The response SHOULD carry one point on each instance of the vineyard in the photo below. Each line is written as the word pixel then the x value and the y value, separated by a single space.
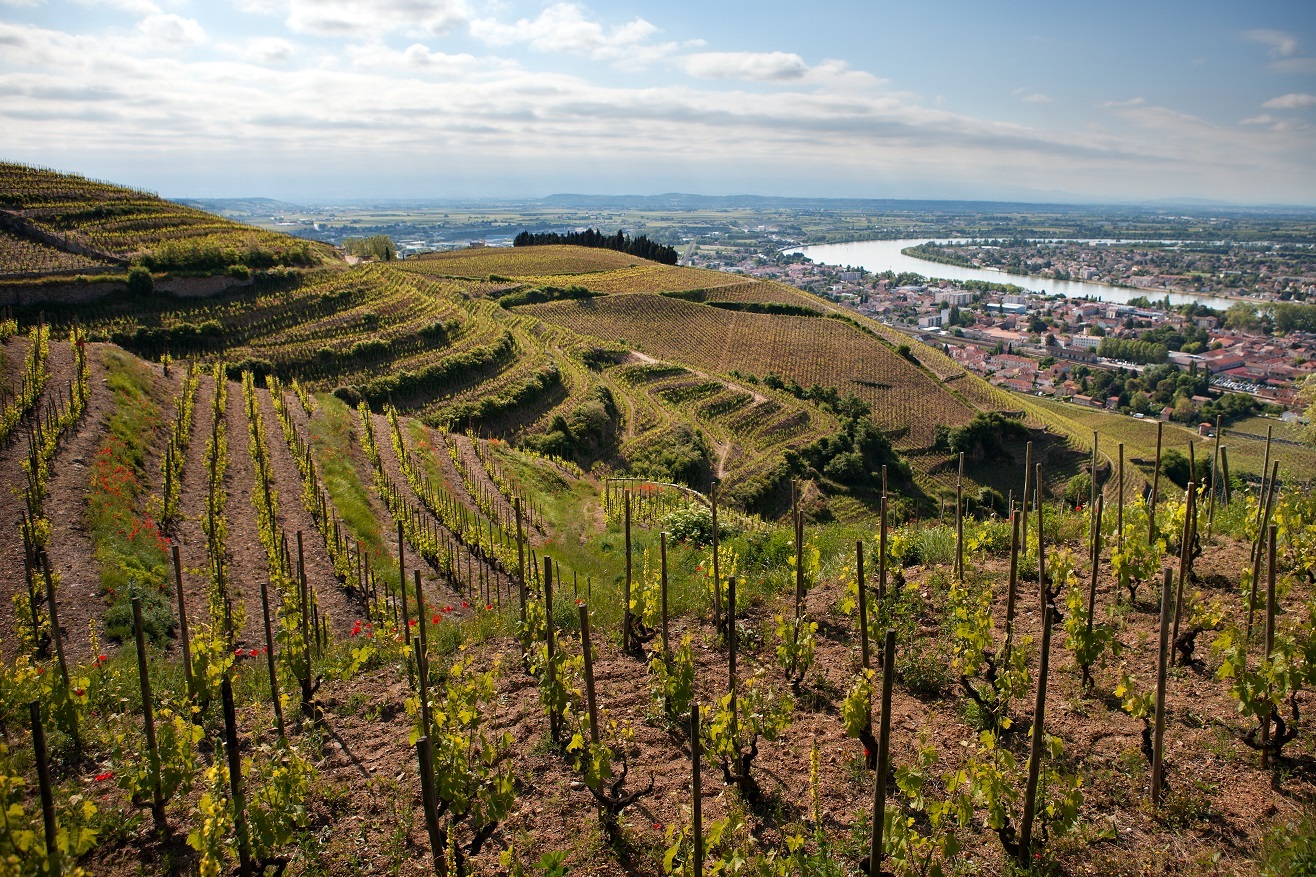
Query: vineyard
pixel 73 224
pixel 254 628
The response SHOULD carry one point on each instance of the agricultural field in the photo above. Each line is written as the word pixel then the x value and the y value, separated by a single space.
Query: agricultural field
pixel 355 692
pixel 24 257
pixel 374 571
pixel 121 223
pixel 480 263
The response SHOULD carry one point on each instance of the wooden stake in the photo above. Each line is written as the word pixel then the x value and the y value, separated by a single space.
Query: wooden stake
pixel 863 602
pixel 47 795
pixel 662 549
pixel 1014 582
pixel 1269 640
pixel 717 575
pixel 1262 494
pixel 1158 727
pixel 148 718
pixel 1039 732
pixel 959 522
pixel 883 756
pixel 555 730
pixel 626 597
pixel 1156 484
pixel 1185 556
pixel 1092 587
pixel 183 638
pixel 1215 479
pixel 235 777
pixel 1256 560
pixel 424 754
pixel 269 657
pixel 1119 511
pixel 881 556
pixel 1224 475
pixel 1023 503
pixel 696 794
pixel 589 674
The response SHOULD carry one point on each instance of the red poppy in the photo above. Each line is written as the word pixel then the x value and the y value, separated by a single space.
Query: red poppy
pixel 435 619
pixel 447 608
pixel 488 607
pixel 465 605
pixel 102 777
pixel 78 692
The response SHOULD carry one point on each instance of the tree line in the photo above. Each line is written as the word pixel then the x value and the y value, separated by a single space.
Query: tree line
pixel 640 246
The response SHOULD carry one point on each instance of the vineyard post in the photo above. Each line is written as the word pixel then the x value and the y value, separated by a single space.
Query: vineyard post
pixel 1261 495
pixel 1023 503
pixel 626 596
pixel 1224 476
pixel 863 602
pixel 1156 484
pixel 1041 556
pixel 1014 583
pixel 589 674
pixel 881 557
pixel 1092 491
pixel 1158 727
pixel 717 578
pixel 662 584
pixel 959 522
pixel 55 632
pixel 269 658
pixel 1269 642
pixel 1215 480
pixel 884 479
pixel 554 729
pixel 883 756
pixel 731 674
pixel 1256 558
pixel 1185 556
pixel 148 718
pixel 402 576
pixel 235 776
pixel 1092 586
pixel 799 569
pixel 696 802
pixel 1039 725
pixel 424 755
pixel 43 780
pixel 306 633
pixel 183 638
pixel 29 576
pixel 422 653
pixel 1119 511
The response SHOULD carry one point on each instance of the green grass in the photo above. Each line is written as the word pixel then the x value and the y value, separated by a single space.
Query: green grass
pixel 331 440
pixel 133 556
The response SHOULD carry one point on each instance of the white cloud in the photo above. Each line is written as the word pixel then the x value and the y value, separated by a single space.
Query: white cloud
pixel 265 50
pixel 424 117
pixel 21 2
pixel 1281 44
pixel 355 18
pixel 1116 104
pixel 1291 102
pixel 1293 65
pixel 564 28
pixel 755 66
pixel 169 31
pixel 1263 119
pixel 1032 97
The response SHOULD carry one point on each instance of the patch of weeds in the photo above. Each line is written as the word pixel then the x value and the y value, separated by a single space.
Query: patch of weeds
pixel 1289 847
pixel 1185 806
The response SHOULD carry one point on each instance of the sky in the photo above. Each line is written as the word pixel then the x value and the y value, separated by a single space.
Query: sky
pixel 317 100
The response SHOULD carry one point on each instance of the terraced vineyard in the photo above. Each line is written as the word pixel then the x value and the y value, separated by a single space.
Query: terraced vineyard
pixel 106 224
pixel 267 613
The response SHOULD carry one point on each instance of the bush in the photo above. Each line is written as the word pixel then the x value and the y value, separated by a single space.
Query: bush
pixel 158 620
pixel 140 281
pixel 1078 489
pixel 239 272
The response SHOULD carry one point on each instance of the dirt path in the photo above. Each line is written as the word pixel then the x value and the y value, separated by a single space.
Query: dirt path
pixel 246 555
pixel 188 535
pixel 13 480
pixel 293 516
pixel 80 601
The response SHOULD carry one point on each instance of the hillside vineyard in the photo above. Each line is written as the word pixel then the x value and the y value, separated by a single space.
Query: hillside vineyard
pixel 548 560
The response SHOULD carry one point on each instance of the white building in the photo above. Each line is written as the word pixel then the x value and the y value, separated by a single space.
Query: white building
pixel 954 298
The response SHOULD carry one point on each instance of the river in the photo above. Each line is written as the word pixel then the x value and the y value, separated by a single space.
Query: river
pixel 879 256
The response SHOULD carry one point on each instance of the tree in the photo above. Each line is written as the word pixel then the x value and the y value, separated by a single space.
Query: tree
pixel 1242 317
pixel 140 281
pixel 1308 395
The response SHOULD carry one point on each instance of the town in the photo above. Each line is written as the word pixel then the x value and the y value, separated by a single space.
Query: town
pixel 1144 358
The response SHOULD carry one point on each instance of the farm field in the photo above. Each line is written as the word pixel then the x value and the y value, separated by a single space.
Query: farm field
pixel 377 570
pixel 312 509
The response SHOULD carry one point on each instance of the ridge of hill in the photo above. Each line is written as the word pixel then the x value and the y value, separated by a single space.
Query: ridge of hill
pixel 54 223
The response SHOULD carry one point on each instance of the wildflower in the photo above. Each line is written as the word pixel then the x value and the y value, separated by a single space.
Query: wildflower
pixel 101 659
pixel 77 692
pixel 411 622
pixel 447 608
pixel 435 618
pixel 237 653
pixel 488 607
pixel 465 605
pixel 102 777
pixel 254 652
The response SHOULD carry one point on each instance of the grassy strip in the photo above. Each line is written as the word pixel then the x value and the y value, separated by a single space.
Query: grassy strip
pixel 132 554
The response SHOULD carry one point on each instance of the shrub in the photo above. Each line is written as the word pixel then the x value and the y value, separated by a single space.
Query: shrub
pixel 140 281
